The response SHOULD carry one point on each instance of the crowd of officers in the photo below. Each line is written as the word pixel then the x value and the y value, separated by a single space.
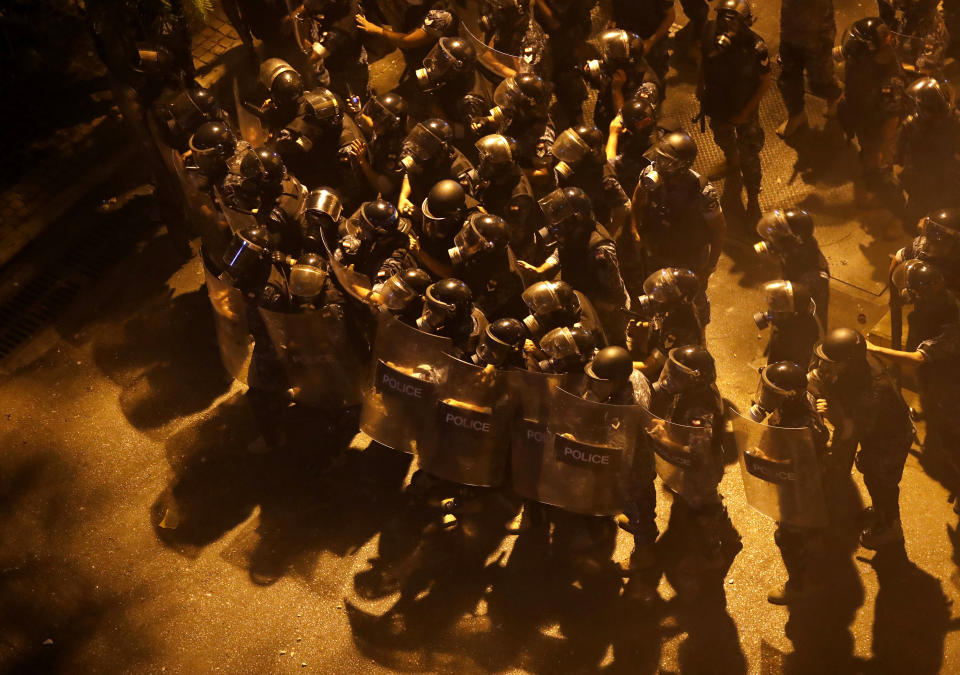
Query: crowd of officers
pixel 475 202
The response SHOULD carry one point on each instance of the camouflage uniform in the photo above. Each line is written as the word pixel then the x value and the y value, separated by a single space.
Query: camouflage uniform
pixel 920 34
pixel 807 33
pixel 730 79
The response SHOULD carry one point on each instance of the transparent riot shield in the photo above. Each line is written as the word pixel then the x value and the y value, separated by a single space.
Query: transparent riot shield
pixel 467 440
pixel 683 458
pixel 781 472
pixel 299 26
pixel 587 456
pixel 318 355
pixel 251 130
pixel 355 284
pixel 200 207
pixel 230 319
pixel 237 220
pixel 400 395
pixel 489 59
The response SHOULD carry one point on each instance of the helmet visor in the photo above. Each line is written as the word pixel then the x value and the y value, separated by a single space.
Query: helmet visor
pixel 615 45
pixel 378 114
pixel 422 144
pixel 508 95
pixel 556 207
pixel 323 104
pixel 569 147
pixel 559 344
pixel 306 281
pixel 324 202
pixel 773 227
pixel 396 295
pixel 779 297
pixel 661 286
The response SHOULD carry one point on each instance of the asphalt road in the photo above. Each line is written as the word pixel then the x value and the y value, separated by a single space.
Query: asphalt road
pixel 146 526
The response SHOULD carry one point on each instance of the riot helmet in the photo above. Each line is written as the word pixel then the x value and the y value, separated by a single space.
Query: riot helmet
pixel 387 112
pixel 564 205
pixel 499 14
pixel 609 371
pixel 323 107
pixel 917 280
pixel 258 170
pixel 501 341
pixel 551 304
pixel 447 302
pixel 733 16
pixel 784 300
pixel 575 146
pixel 497 156
pixel 568 349
pixel 443 209
pixel 783 231
pixel 481 233
pixel 281 80
pixel 521 95
pixel 618 49
pixel 399 292
pixel 321 213
pixel 211 145
pixel 448 58
pixel 637 114
pixel 687 368
pixel 665 287
pixel 307 278
pixel 380 217
pixel 674 153
pixel 839 350
pixel 428 142
pixel 246 259
pixel 931 97
pixel 940 231
pixel 865 37
pixel 780 383
pixel 190 108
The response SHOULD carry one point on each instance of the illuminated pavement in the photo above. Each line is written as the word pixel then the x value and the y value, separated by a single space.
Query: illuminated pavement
pixel 145 527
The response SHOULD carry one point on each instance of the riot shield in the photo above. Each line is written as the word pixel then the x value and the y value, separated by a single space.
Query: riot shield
pixel 682 455
pixel 585 457
pixel 230 318
pixel 489 59
pixel 467 439
pixel 318 355
pixel 237 220
pixel 200 208
pixel 781 472
pixel 251 130
pixel 300 29
pixel 354 284
pixel 400 395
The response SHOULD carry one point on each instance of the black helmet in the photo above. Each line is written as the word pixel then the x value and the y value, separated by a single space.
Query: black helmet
pixel 551 304
pixel 780 382
pixel 497 155
pixel 739 8
pixel 427 142
pixel 271 166
pixel 931 97
pixel 447 301
pixel 190 108
pixel 620 48
pixel 568 349
pixel 387 111
pixel 448 58
pixel 916 280
pixel 688 367
pixel 866 36
pixel 610 363
pixel 482 232
pixel 321 215
pixel 307 278
pixel 665 287
pixel 842 345
pixel 675 152
pixel 945 222
pixel 323 107
pixel 381 216
pixel 247 258
pixel 281 80
pixel 784 300
pixel 637 113
pixel 524 93
pixel 565 204
pixel 502 339
pixel 783 231
pixel 576 145
pixel 446 200
pixel 211 145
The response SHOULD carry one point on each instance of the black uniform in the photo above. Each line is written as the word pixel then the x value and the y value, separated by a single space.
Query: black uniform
pixel 806 265
pixel 807 34
pixel 793 339
pixel 344 68
pixel 599 180
pixel 643 18
pixel 928 149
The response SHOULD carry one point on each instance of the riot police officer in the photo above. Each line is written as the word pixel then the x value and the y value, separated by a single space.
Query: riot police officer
pixel 510 28
pixel 333 46
pixel 922 285
pixel 790 315
pixel 403 294
pixel 864 403
pixel 501 345
pixel 668 307
pixel 552 304
pixel 782 394
pixel 481 257
pixel 565 350
pixel 521 111
pixel 383 120
pixel 807 33
pixel 620 73
pixel 499 184
pixel 873 105
pixel 581 163
pixel 676 213
pixel 375 241
pixel 587 259
pixel 448 311
pixel 788 235
pixel 284 86
pixel 919 33
pixel 651 21
pixel 182 112
pixel 448 75
pixel 686 394
pixel 211 145
pixel 928 149
pixel 428 157
pixel 444 209
pixel 734 74
pixel 567 23
pixel 632 134
pixel 937 243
